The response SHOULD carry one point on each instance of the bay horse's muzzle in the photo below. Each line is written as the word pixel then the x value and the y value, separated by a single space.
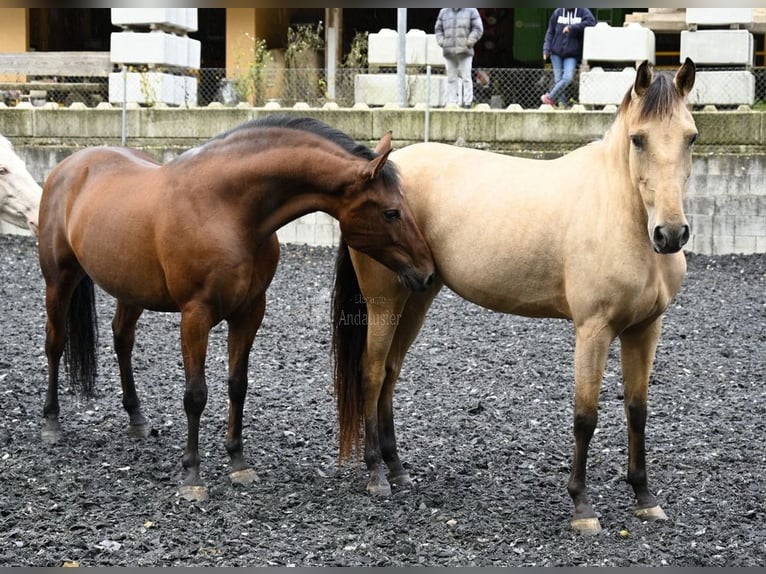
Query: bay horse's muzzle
pixel 670 238
pixel 415 281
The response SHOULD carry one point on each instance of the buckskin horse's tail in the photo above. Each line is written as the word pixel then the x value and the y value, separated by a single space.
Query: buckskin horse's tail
pixel 349 334
pixel 82 336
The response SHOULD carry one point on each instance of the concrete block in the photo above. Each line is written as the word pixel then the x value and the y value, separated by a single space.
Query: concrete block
pixel 184 19
pixel 723 88
pixel 155 48
pixel 149 88
pixel 600 87
pixel 631 43
pixel 719 16
pixel 381 89
pixel 421 48
pixel 733 47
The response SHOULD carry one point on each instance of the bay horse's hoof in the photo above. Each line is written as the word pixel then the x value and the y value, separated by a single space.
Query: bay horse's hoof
pixel 244 476
pixel 586 526
pixel 193 493
pixel 402 480
pixel 51 436
pixel 138 431
pixel 651 514
pixel 379 489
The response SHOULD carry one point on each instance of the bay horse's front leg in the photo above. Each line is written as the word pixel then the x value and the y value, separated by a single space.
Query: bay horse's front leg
pixel 124 336
pixel 242 330
pixel 638 346
pixel 592 342
pixel 195 330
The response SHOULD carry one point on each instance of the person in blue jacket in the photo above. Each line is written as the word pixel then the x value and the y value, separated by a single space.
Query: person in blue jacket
pixel 563 45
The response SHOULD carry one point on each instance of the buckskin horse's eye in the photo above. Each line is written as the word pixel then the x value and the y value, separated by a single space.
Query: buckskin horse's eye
pixel 392 214
pixel 637 141
pixel 692 140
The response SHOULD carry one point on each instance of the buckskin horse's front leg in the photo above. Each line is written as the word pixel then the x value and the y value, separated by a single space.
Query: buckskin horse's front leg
pixel 195 328
pixel 591 350
pixel 638 346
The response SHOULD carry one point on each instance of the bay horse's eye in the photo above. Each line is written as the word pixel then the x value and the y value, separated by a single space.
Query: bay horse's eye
pixel 637 141
pixel 392 215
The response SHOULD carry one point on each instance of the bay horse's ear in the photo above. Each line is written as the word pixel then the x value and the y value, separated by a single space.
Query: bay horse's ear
pixel 644 76
pixel 384 144
pixel 684 79
pixel 383 149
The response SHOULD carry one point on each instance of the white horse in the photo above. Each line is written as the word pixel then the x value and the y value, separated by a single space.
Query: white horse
pixel 19 192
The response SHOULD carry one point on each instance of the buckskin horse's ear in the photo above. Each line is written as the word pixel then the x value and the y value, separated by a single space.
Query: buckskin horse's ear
pixel 644 76
pixel 383 148
pixel 684 79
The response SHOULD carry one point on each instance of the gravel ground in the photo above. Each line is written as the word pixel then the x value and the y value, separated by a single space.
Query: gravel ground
pixel 484 413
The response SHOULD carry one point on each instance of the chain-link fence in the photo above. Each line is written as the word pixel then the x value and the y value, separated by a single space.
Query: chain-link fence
pixel 497 87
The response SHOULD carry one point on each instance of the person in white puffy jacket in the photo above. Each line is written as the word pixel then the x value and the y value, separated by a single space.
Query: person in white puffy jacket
pixel 457 30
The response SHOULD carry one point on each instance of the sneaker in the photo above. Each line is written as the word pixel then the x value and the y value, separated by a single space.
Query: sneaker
pixel 546 100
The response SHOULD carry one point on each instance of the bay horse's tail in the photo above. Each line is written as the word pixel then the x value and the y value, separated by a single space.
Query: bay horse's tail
pixel 82 337
pixel 349 334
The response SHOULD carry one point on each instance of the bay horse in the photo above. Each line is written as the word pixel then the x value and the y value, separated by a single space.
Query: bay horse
pixel 19 192
pixel 594 236
pixel 197 236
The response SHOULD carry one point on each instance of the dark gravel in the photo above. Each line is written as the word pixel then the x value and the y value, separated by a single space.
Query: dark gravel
pixel 484 414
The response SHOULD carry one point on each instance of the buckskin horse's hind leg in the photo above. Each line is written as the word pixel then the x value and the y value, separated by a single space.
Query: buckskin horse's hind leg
pixel 638 346
pixel 124 332
pixel 242 330
pixel 408 327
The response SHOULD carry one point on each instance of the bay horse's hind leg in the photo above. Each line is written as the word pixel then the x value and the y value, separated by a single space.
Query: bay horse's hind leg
pixel 242 331
pixel 409 325
pixel 124 332
pixel 58 294
pixel 638 347
pixel 592 341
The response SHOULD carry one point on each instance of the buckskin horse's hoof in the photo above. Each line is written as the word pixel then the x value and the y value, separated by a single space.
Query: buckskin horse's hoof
pixel 586 526
pixel 192 493
pixel 138 431
pixel 51 436
pixel 243 476
pixel 651 514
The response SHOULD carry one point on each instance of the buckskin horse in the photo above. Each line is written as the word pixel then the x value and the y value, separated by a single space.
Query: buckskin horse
pixel 197 236
pixel 594 236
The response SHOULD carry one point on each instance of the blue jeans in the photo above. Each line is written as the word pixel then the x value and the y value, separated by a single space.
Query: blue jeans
pixel 563 74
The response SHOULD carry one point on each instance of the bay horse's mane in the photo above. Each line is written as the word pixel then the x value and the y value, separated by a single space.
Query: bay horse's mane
pixel 660 98
pixel 311 125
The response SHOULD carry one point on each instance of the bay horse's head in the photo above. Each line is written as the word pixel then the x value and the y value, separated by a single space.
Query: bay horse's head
pixel 19 192
pixel 661 132
pixel 376 219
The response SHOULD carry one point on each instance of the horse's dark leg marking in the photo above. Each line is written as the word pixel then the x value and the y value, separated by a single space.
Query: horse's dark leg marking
pixel 242 331
pixel 195 329
pixel 124 336
pixel 638 347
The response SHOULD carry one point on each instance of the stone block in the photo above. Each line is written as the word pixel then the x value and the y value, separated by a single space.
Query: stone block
pixel 720 47
pixel 600 87
pixel 631 43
